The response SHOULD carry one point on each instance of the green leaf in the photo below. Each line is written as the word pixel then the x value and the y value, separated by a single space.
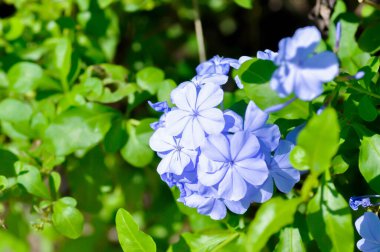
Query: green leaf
pixel 79 128
pixel 7 163
pixel 209 240
pixel 317 143
pixel 116 137
pixel 367 110
pixel 13 110
pixel 369 40
pixel 244 3
pixel 164 91
pixel 270 218
pixel 24 77
pixel 265 97
pixel 55 183
pixel 150 79
pixel 339 165
pixel 369 160
pixel 329 220
pixel 10 242
pixel 137 151
pixel 256 71
pixel 30 178
pixel 290 240
pixel 130 237
pixel 62 58
pixel 67 220
pixel 3 183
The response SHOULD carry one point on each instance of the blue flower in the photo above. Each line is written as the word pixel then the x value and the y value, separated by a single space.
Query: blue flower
pixel 300 70
pixel 267 55
pixel 363 201
pixel 231 163
pixel 368 226
pixel 175 156
pixel 217 65
pixel 196 115
pixel 159 107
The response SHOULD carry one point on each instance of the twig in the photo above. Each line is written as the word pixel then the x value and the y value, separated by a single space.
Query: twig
pixel 199 32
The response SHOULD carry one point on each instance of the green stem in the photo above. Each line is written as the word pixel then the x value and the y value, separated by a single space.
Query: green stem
pixel 363 91
pixel 199 32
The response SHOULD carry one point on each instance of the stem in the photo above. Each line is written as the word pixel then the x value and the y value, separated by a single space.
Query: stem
pixel 199 32
pixel 363 91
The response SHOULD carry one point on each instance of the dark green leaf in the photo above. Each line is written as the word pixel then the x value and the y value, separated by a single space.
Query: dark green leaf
pixel 367 110
pixel 256 71
pixel 7 163
pixel 116 137
pixel 369 40
pixel 244 3
pixel 130 237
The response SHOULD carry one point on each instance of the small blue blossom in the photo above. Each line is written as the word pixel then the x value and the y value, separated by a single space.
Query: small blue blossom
pixel 368 226
pixel 217 65
pixel 267 55
pixel 231 163
pixel 300 70
pixel 175 156
pixel 159 106
pixel 363 201
pixel 196 115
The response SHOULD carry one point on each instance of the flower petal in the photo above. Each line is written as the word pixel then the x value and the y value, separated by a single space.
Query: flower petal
pixel 243 145
pixel 368 226
pixel 161 141
pixel 255 118
pixel 216 148
pixel 176 121
pixel 211 120
pixel 322 66
pixel 233 122
pixel 232 186
pixel 210 172
pixel 185 97
pixel 209 96
pixel 193 134
pixel 253 170
pixel 269 136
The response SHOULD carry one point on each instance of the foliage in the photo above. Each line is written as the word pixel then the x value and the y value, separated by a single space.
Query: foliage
pixel 75 129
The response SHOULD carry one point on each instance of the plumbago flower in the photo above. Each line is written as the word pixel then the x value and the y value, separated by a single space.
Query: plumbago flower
pixel 217 160
pixel 368 226
pixel 300 70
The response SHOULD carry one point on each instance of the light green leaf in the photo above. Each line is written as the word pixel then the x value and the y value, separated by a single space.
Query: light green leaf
pixel 130 237
pixel 329 220
pixel 10 242
pixel 62 58
pixel 137 151
pixel 369 160
pixel 317 143
pixel 30 178
pixel 79 128
pixel 67 220
pixel 339 165
pixel 24 77
pixel 165 89
pixel 270 218
pixel 3 183
pixel 150 79
pixel 209 240
pixel 244 3
pixel 290 240
pixel 15 111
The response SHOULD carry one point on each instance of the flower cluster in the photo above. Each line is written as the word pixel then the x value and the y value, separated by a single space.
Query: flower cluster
pixel 300 70
pixel 368 225
pixel 217 159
